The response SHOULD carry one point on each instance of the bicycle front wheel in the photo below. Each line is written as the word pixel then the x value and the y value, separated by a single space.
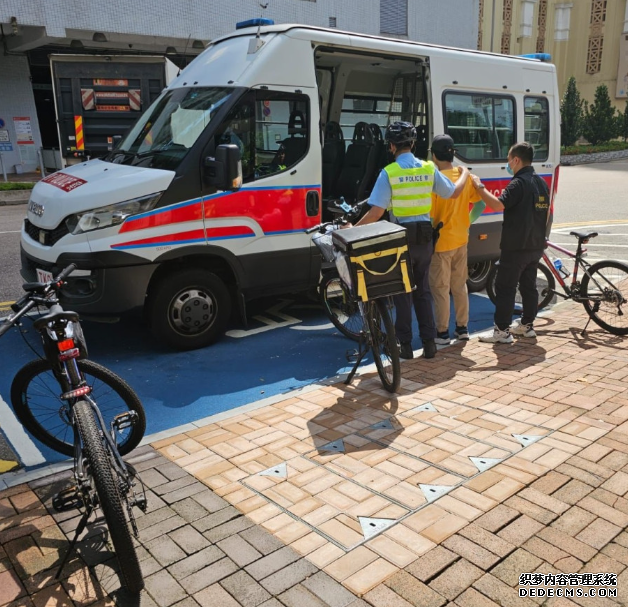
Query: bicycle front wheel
pixel 605 289
pixel 99 461
pixel 384 344
pixel 340 307
pixel 545 285
pixel 35 397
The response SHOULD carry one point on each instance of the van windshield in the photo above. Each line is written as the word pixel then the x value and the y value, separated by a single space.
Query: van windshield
pixel 165 133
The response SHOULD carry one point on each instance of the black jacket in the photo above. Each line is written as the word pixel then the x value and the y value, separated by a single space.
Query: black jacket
pixel 526 201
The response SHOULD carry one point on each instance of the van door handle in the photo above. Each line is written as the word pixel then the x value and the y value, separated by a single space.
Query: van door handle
pixel 312 203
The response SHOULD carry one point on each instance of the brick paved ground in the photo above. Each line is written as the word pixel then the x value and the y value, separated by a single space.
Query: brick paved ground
pixel 546 422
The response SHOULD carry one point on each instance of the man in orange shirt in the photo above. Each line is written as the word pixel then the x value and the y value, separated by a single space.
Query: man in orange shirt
pixel 448 270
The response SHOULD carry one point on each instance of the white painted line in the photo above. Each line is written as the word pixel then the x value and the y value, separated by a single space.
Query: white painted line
pixel 20 441
pixel 11 232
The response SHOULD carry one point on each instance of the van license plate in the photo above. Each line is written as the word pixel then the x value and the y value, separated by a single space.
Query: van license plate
pixel 43 276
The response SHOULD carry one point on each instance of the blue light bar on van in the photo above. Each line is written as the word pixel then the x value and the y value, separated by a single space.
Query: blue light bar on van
pixel 538 56
pixel 254 23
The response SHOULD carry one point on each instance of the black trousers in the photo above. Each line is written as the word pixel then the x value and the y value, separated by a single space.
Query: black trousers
pixel 516 268
pixel 420 298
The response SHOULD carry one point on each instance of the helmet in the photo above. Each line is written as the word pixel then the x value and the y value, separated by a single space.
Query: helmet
pixel 400 132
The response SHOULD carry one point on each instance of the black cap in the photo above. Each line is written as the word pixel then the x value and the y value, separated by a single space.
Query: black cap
pixel 442 143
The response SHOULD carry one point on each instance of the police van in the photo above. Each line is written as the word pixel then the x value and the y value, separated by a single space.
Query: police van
pixel 168 223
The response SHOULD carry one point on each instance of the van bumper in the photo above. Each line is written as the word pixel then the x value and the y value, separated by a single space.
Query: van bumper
pixel 105 284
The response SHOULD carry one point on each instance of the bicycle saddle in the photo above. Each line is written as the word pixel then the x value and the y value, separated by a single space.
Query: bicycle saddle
pixel 40 323
pixel 583 235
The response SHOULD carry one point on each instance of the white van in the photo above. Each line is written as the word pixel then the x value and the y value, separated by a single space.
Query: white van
pixel 161 224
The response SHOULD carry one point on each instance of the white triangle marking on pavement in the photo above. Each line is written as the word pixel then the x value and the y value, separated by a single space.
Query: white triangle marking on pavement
pixel 385 424
pixel 433 492
pixel 372 526
pixel 280 471
pixel 337 446
pixel 484 463
pixel 526 439
pixel 425 407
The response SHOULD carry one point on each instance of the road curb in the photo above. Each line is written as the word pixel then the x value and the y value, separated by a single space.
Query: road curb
pixel 14 197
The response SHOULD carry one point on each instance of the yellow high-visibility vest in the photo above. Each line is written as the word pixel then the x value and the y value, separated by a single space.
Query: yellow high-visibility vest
pixel 411 189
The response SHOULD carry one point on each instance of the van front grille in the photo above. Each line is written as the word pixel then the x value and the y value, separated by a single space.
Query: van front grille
pixel 46 237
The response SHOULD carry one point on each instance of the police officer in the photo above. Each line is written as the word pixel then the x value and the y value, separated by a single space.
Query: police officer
pixel 405 188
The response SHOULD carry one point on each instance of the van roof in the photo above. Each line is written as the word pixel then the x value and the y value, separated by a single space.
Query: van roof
pixel 286 27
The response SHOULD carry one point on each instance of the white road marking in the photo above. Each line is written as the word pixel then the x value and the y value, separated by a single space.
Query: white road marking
pixel 20 441
pixel 11 232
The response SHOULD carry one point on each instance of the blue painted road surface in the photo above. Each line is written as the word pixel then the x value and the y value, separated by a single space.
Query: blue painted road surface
pixel 288 344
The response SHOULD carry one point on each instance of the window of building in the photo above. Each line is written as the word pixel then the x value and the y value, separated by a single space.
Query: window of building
pixel 483 127
pixel 536 125
pixel 598 11
pixel 271 130
pixel 332 22
pixel 393 17
pixel 526 22
pixel 562 17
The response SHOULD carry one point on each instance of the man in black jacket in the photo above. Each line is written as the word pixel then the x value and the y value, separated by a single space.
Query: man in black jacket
pixel 526 203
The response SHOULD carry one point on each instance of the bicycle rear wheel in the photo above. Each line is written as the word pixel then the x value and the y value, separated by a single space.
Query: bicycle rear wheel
pixel 545 285
pixel 35 397
pixel 340 307
pixel 605 286
pixel 384 344
pixel 107 483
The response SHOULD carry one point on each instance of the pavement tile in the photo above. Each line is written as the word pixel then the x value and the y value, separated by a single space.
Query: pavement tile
pixel 497 518
pixel 472 598
pixel 500 593
pixel 350 563
pixel 599 533
pixel 616 552
pixel 573 492
pixel 189 509
pixel 550 482
pixel 195 562
pixel 413 591
pixel 272 563
pixel 189 539
pixel 245 589
pixel 329 591
pixel 471 551
pixel 520 561
pixel 209 575
pixel 289 576
pixel 164 589
pixel 165 550
pixel 261 540
pixel 570 545
pixel 456 579
pixel 215 596
pixel 10 587
pixel 369 577
pixel 520 530
pixel 432 563
pixel 574 521
pixel 299 596
pixel 239 550
pixel 607 512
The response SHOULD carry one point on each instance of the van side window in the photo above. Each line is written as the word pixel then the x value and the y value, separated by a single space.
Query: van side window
pixel 271 129
pixel 482 126
pixel 536 117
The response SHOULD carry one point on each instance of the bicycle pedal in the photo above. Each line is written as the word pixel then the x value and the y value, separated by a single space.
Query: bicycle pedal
pixel 141 502
pixel 124 420
pixel 68 499
pixel 352 356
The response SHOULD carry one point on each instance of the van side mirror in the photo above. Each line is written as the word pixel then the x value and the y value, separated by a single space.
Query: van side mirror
pixel 225 170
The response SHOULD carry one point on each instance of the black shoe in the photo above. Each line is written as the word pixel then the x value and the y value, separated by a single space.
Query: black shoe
pixel 429 348
pixel 405 350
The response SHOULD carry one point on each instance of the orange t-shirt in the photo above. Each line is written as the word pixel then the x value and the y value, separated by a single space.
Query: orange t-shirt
pixel 454 213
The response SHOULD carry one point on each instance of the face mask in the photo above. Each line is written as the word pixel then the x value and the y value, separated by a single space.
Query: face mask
pixel 510 171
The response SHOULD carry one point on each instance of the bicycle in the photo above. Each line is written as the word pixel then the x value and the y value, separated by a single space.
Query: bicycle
pixel 376 328
pixel 603 290
pixel 55 400
pixel 339 306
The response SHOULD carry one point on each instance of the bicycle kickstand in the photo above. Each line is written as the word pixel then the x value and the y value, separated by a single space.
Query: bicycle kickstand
pixel 79 529
pixel 361 354
pixel 596 307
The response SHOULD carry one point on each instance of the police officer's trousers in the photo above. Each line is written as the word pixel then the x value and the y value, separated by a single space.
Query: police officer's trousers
pixel 420 298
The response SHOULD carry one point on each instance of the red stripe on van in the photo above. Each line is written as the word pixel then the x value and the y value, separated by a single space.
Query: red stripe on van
pixel 275 210
pixel 177 214
pixel 497 186
pixel 212 233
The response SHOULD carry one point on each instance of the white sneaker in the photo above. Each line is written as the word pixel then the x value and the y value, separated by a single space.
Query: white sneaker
pixel 498 337
pixel 521 330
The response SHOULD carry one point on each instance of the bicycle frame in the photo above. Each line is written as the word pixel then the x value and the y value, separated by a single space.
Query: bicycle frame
pixel 571 290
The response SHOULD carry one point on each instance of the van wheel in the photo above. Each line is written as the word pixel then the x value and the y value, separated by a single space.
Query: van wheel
pixel 189 309
pixel 478 275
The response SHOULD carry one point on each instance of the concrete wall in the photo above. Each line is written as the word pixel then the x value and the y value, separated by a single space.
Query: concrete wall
pixel 16 100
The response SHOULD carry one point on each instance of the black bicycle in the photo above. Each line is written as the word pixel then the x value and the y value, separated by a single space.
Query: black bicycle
pixel 369 323
pixel 84 410
pixel 602 290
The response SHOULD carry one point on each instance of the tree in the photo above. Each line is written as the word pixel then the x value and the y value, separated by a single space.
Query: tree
pixel 600 123
pixel 571 114
pixel 622 123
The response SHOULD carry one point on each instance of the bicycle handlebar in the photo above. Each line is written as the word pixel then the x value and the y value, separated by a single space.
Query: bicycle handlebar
pixel 342 220
pixel 34 297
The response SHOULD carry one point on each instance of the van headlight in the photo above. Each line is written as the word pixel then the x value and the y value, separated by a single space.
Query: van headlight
pixel 112 215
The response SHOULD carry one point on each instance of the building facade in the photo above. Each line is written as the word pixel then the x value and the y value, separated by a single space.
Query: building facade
pixel 33 29
pixel 587 39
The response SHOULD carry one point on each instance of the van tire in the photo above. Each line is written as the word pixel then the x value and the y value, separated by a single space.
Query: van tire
pixel 183 326
pixel 478 275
